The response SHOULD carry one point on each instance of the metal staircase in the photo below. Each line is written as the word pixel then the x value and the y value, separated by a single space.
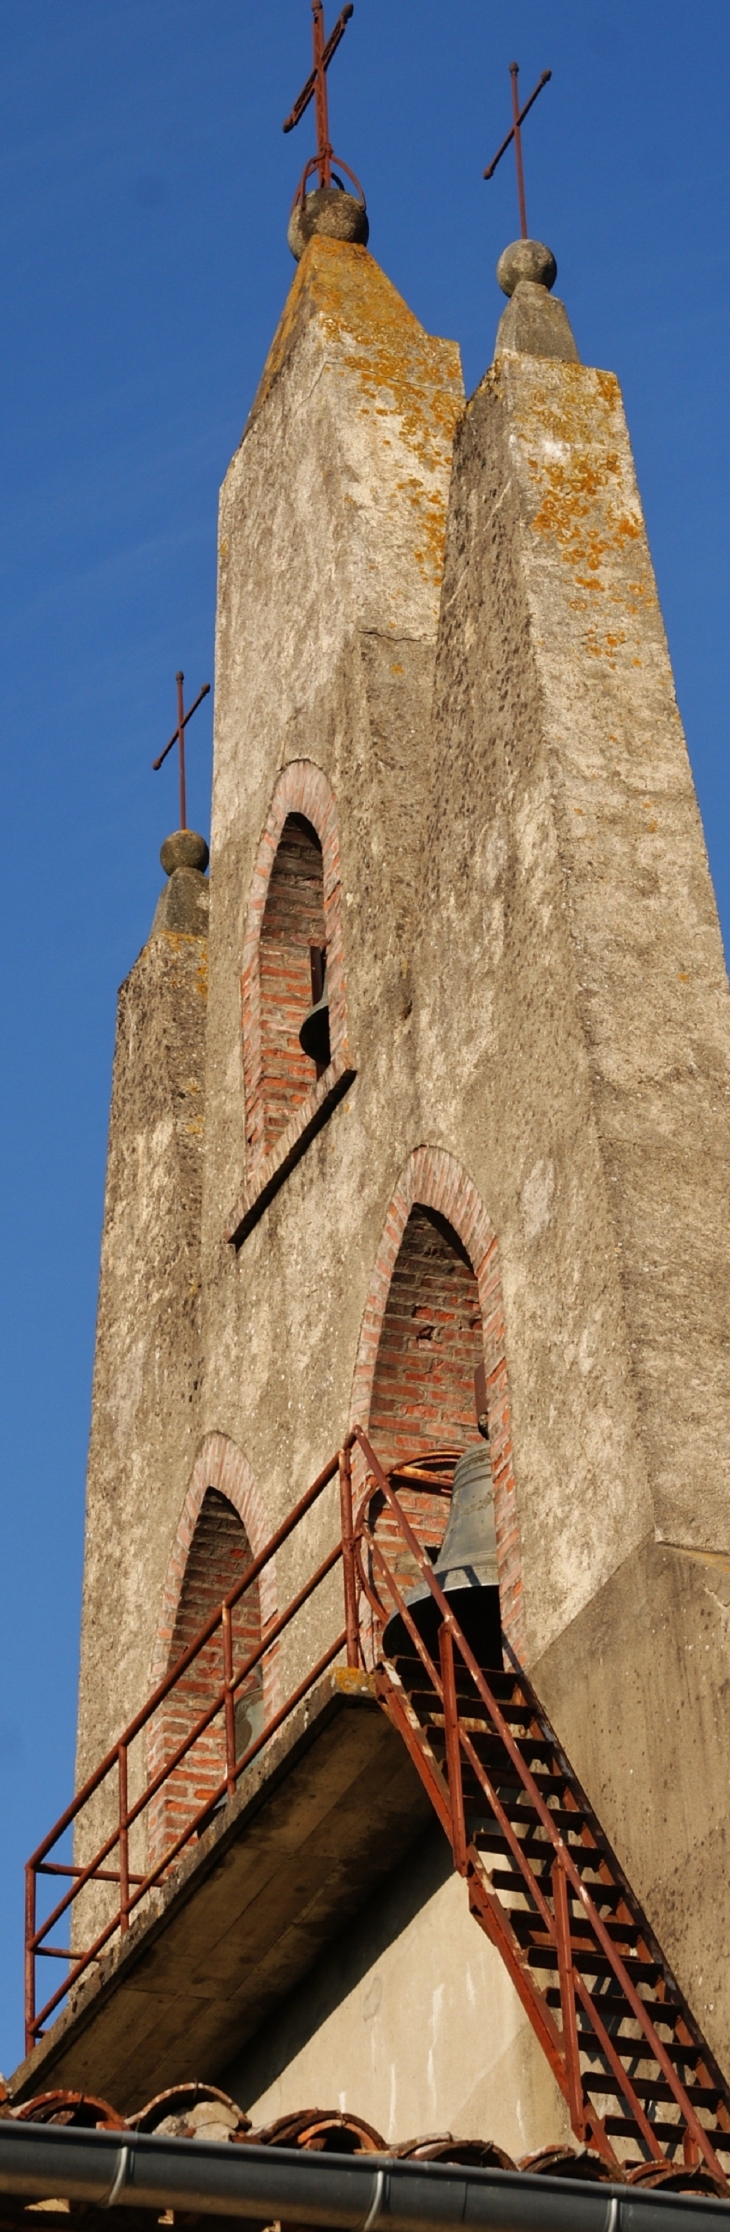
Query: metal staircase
pixel 542 1879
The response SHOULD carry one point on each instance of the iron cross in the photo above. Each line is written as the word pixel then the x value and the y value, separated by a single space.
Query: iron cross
pixel 178 737
pixel 518 118
pixel 316 90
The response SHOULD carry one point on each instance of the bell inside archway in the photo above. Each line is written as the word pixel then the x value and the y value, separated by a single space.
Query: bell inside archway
pixel 314 1036
pixel 466 1568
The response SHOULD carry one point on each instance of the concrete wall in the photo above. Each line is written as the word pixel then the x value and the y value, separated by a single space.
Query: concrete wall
pixel 538 1020
pixel 593 1068
pixel 411 2021
pixel 145 1423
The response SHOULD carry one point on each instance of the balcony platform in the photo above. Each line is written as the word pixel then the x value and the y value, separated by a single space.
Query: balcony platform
pixel 317 1823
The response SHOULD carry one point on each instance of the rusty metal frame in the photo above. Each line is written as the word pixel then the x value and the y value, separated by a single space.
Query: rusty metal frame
pixel 368 1581
pixel 315 89
pixel 134 1887
pixel 562 1935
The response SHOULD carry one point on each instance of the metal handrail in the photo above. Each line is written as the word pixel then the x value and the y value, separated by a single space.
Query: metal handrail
pixel 448 1799
pixel 133 1887
pixel 361 1588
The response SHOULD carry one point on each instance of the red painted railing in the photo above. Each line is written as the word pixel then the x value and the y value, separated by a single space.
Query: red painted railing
pixel 542 1879
pixel 110 1862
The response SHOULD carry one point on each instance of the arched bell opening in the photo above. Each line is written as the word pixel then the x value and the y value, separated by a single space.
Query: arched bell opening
pixel 295 1047
pixel 430 1346
pixel 427 1413
pixel 218 1559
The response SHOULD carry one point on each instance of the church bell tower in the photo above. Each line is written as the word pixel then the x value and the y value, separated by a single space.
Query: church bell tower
pixel 423 1090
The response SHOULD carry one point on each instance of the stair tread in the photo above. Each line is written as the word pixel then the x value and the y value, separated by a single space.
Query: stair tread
pixel 671 2132
pixel 602 1894
pixel 648 2088
pixel 626 1930
pixel 597 1963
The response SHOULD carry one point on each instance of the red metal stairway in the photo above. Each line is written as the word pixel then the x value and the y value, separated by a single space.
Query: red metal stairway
pixel 542 1880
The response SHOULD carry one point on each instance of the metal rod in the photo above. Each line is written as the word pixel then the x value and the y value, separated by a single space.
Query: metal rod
pixel 576 2101
pixel 123 1842
pixel 517 120
pixel 309 89
pixel 179 678
pixel 30 1898
pixel 348 1559
pixel 205 692
pixel 324 150
pixel 229 1709
pixel 453 1747
pixel 101 1875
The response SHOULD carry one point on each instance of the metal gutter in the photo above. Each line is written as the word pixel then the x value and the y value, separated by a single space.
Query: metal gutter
pixel 349 2192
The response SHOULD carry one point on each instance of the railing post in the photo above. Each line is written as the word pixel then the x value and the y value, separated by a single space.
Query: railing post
pixel 576 2102
pixel 453 1748
pixel 229 1710
pixel 29 1957
pixel 123 1840
pixel 348 1558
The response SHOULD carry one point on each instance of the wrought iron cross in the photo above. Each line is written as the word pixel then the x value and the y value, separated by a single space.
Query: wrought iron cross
pixel 316 90
pixel 518 118
pixel 178 737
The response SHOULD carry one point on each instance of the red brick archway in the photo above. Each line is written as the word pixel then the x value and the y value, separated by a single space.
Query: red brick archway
pixel 303 795
pixel 222 1527
pixel 434 1180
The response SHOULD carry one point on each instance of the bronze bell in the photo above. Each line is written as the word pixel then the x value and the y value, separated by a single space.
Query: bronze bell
pixel 466 1569
pixel 314 1037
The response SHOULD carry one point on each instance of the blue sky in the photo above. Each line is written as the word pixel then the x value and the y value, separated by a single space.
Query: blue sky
pixel 144 192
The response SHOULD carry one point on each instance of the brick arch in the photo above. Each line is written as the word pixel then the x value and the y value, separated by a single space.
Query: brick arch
pixel 302 790
pixel 433 1179
pixel 219 1464
pixel 223 1515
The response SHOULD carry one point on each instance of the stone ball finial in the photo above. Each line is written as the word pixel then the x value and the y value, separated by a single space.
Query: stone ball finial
pixel 185 849
pixel 331 213
pixel 526 259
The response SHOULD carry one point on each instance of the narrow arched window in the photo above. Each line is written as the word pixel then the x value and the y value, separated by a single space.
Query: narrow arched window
pixel 423 1401
pixel 296 1059
pixel 430 1344
pixel 218 1558
pixel 292 972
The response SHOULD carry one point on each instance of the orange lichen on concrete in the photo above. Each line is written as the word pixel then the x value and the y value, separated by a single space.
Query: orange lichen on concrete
pixel 403 373
pixel 583 501
pixel 402 368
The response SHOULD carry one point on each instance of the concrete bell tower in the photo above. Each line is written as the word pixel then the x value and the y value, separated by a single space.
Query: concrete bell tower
pixel 450 777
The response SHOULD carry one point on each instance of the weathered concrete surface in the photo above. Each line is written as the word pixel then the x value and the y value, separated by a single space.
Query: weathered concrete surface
pixel 536 324
pixel 312 1830
pixel 147 1374
pixel 332 531
pixel 354 2024
pixel 640 1686
pixel 535 985
pixel 570 888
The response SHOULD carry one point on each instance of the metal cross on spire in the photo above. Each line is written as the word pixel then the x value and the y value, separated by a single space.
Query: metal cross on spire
pixel 316 90
pixel 178 737
pixel 518 118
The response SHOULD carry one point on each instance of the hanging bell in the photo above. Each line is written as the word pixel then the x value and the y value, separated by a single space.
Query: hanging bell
pixel 314 1037
pixel 466 1569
